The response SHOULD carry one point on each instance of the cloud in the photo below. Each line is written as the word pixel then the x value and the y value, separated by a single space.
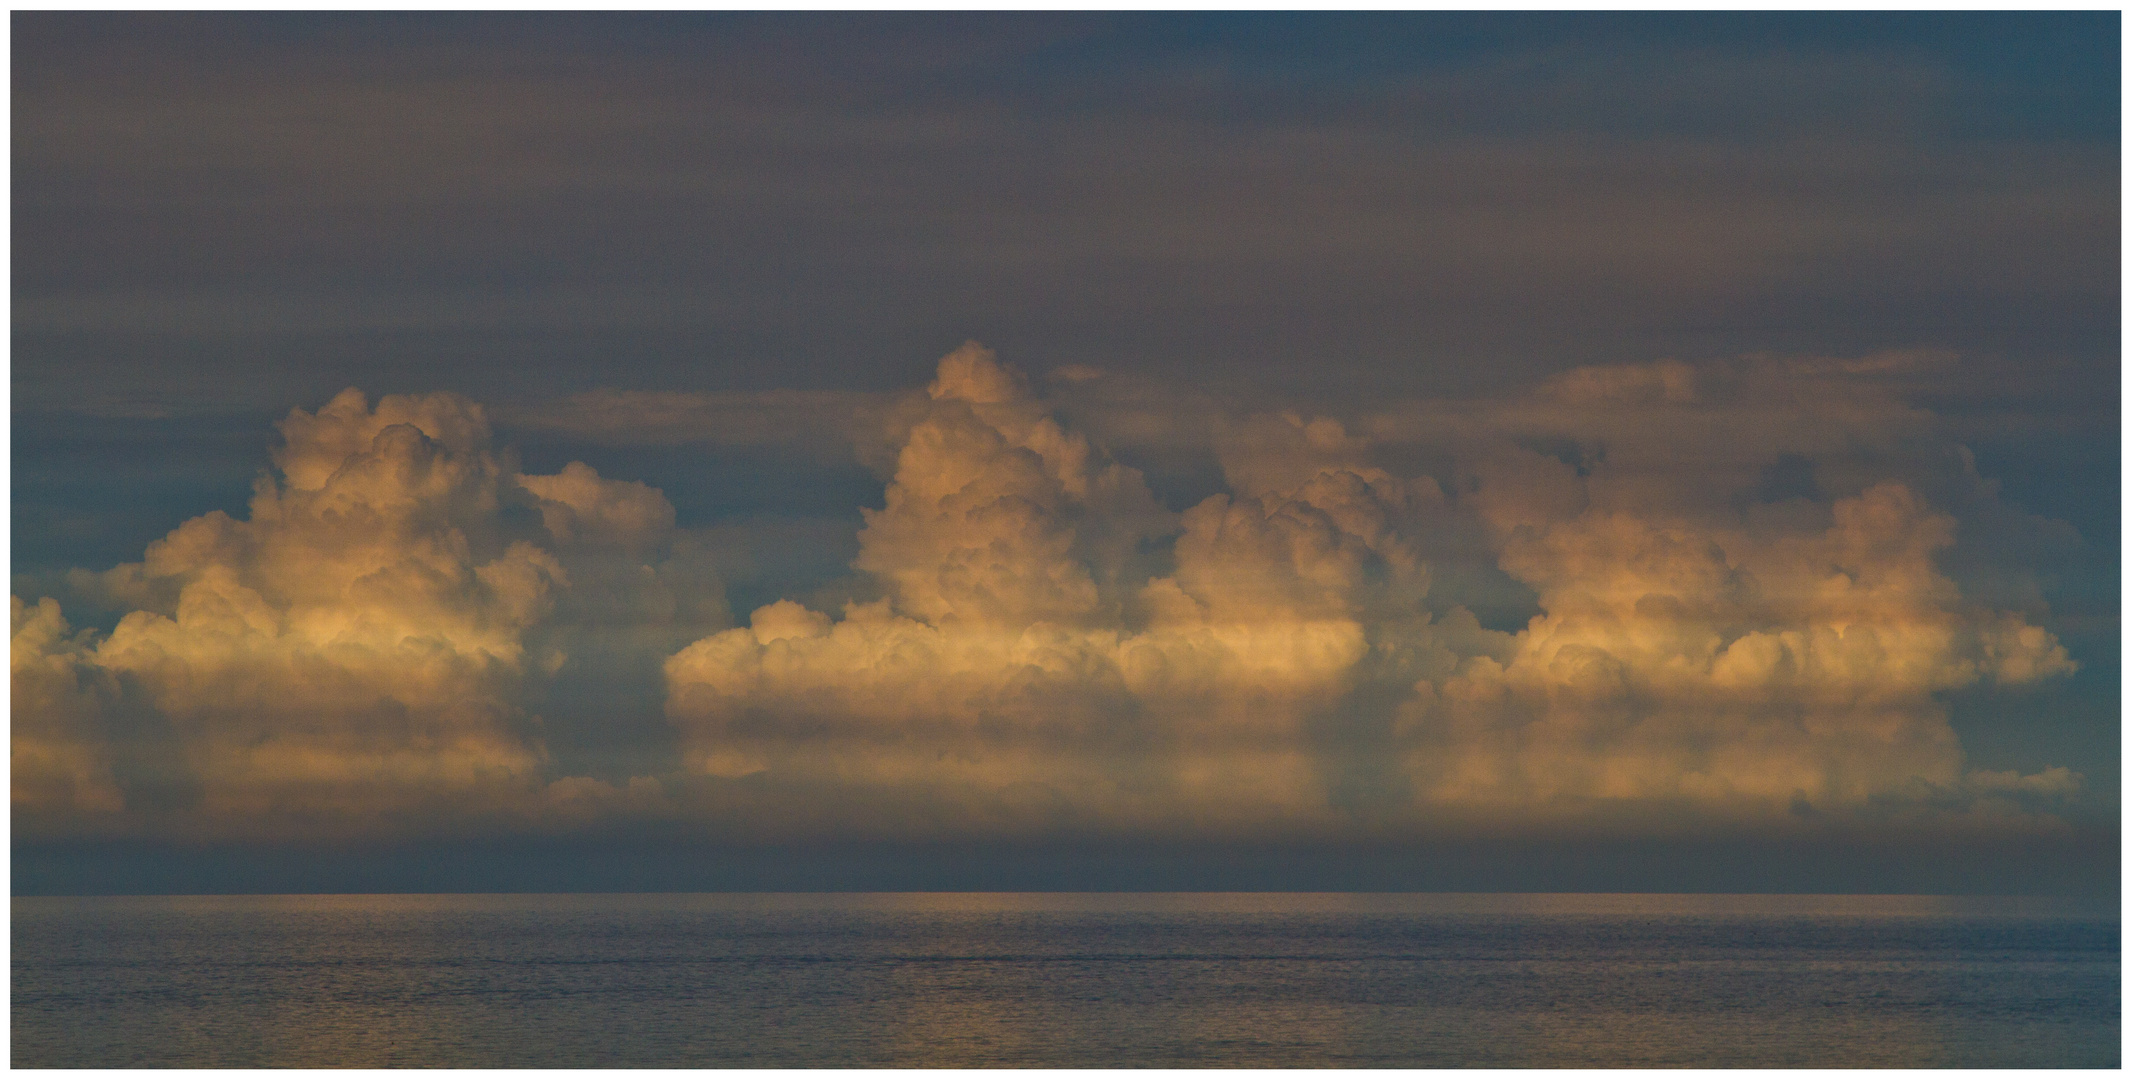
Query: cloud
pixel 1030 666
pixel 1722 667
pixel 360 648
pixel 1735 614
pixel 694 199
pixel 58 751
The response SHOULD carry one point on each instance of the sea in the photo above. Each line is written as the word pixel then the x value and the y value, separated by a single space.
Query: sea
pixel 1066 980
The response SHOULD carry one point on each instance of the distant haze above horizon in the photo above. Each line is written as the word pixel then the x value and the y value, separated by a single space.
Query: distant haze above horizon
pixel 1078 432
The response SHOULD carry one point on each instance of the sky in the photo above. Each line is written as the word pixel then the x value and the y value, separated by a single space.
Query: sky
pixel 1065 450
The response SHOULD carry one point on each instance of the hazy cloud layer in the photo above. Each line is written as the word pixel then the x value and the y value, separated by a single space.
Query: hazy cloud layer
pixel 1362 204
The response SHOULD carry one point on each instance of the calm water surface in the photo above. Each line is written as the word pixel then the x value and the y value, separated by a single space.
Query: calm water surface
pixel 1060 979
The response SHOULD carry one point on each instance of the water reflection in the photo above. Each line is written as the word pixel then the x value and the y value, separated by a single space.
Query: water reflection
pixel 944 979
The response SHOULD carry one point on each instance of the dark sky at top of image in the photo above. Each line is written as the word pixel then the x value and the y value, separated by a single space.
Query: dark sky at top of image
pixel 245 211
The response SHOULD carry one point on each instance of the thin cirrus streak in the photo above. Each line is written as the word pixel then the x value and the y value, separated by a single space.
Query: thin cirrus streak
pixel 1054 650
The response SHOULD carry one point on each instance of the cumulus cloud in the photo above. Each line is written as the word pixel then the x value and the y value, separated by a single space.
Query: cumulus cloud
pixel 58 750
pixel 1722 666
pixel 358 648
pixel 1284 667
pixel 1031 664
pixel 1728 603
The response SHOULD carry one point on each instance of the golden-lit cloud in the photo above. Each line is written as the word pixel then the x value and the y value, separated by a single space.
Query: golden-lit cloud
pixel 357 647
pixel 1736 615
pixel 57 748
pixel 1751 668
pixel 1030 666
